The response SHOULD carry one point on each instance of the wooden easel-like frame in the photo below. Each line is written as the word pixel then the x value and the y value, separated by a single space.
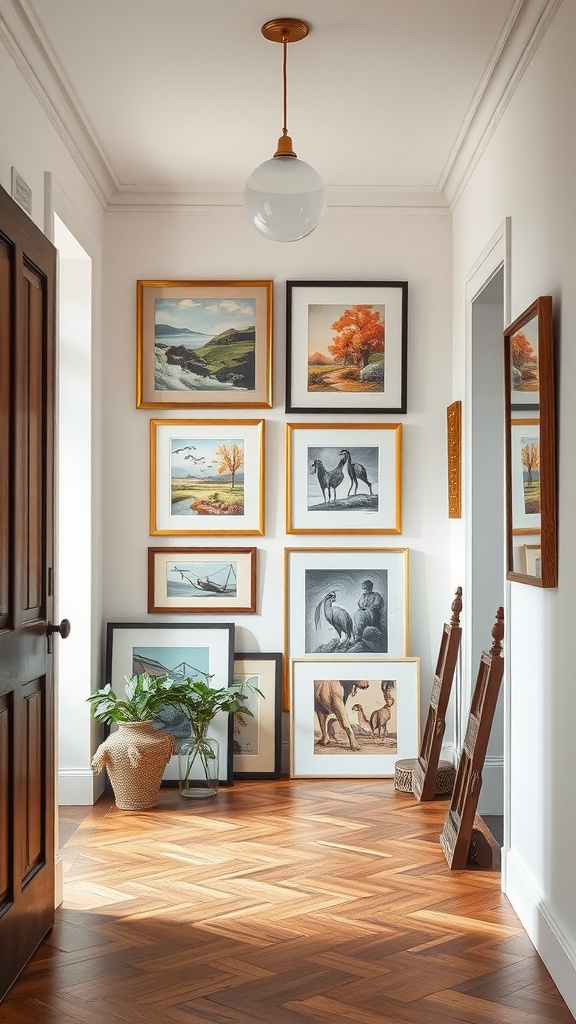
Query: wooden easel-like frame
pixel 426 766
pixel 461 842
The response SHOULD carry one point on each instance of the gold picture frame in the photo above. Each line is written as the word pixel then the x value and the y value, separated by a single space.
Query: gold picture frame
pixel 206 477
pixel 204 344
pixel 344 478
pixel 454 436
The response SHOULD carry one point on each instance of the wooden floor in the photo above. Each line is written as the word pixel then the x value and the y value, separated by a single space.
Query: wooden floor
pixel 279 902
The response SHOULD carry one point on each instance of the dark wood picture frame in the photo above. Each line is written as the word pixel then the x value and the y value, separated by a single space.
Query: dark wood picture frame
pixel 225 580
pixel 537 319
pixel 264 763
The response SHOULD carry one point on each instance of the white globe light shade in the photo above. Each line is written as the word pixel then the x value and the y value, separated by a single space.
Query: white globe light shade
pixel 284 198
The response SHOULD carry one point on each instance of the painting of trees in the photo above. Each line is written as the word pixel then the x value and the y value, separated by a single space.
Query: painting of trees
pixel 524 356
pixel 359 334
pixel 530 455
pixel 229 458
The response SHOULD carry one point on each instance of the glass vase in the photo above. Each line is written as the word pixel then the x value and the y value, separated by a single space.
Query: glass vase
pixel 198 764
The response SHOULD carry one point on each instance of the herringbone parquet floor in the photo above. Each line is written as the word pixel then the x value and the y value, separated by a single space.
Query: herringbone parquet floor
pixel 281 902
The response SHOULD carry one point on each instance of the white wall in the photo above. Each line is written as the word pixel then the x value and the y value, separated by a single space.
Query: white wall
pixel 29 142
pixel 222 245
pixel 528 173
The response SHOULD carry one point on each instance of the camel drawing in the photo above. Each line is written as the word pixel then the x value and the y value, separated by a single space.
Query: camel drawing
pixel 330 696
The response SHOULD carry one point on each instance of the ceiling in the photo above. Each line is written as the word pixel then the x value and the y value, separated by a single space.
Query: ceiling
pixel 185 96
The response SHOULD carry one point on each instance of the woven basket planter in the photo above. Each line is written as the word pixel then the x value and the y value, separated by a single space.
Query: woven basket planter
pixel 135 758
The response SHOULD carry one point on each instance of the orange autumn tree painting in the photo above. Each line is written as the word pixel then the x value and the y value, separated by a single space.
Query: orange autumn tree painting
pixel 352 358
pixel 524 364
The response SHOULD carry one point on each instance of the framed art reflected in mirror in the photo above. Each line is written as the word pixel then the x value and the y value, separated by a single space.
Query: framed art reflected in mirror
pixel 531 501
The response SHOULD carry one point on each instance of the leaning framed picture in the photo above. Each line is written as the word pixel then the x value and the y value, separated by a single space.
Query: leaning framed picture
pixel 346 346
pixel 204 344
pixel 525 475
pixel 257 739
pixel 202 580
pixel 201 651
pixel 353 719
pixel 348 603
pixel 344 478
pixel 206 477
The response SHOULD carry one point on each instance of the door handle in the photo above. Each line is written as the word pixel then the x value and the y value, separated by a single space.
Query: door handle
pixel 63 629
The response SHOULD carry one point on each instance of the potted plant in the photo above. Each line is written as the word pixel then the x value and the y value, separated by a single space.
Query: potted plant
pixel 189 718
pixel 136 755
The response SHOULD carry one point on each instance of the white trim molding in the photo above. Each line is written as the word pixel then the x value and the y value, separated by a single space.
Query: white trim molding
pixel 79 787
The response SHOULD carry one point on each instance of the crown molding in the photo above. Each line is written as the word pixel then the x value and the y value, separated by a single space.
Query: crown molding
pixel 34 56
pixel 526 26
pixel 32 53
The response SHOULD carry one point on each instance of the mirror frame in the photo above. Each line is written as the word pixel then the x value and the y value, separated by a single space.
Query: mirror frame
pixel 544 410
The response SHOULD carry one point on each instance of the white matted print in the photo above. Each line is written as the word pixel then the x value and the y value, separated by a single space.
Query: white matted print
pixel 207 477
pixel 344 478
pixel 347 602
pixel 525 475
pixel 353 719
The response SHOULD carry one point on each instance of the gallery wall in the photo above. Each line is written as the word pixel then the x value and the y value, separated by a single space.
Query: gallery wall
pixel 399 245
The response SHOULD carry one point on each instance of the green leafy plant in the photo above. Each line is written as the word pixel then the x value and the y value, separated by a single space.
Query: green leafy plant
pixel 144 697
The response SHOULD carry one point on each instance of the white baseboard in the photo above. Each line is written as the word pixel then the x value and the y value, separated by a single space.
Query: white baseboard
pixel 547 937
pixel 79 786
pixel 491 799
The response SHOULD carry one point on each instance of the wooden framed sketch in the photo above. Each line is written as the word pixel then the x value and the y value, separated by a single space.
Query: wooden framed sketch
pixel 203 650
pixel 353 719
pixel 257 740
pixel 204 344
pixel 344 478
pixel 202 580
pixel 346 346
pixel 206 477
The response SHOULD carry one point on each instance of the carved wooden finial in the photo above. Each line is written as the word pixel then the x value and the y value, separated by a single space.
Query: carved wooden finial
pixel 498 632
pixel 456 608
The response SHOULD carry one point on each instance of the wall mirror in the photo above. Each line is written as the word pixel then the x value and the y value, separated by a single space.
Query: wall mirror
pixel 531 529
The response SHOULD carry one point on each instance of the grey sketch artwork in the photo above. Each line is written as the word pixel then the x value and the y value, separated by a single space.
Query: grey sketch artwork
pixel 346 611
pixel 342 479
pixel 355 715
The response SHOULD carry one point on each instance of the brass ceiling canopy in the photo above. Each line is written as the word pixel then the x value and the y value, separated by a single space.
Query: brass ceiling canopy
pixel 289 30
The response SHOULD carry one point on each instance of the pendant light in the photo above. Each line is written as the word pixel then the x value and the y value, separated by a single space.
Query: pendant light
pixel 284 197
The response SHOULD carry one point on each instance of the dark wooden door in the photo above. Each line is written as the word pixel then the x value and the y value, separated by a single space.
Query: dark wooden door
pixel 27 304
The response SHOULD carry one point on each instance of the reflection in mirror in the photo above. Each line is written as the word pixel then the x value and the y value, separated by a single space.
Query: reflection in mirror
pixel 530 447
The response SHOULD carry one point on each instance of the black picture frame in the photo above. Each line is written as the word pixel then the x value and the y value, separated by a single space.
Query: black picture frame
pixel 310 309
pixel 265 761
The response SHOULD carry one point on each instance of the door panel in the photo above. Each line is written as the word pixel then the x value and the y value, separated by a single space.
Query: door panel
pixel 27 277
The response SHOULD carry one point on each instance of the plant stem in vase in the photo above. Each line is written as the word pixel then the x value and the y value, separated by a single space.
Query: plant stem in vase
pixel 198 762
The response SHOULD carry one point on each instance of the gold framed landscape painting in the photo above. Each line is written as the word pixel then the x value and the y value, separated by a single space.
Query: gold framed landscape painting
pixel 206 477
pixel 204 344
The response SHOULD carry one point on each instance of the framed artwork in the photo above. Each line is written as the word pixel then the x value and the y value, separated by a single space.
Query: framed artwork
pixel 346 346
pixel 532 560
pixel 530 444
pixel 204 344
pixel 525 475
pixel 202 580
pixel 257 741
pixel 347 603
pixel 206 477
pixel 454 434
pixel 344 478
pixel 353 719
pixel 524 365
pixel 178 651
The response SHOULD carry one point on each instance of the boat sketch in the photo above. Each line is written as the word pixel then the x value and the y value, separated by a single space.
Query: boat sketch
pixel 213 583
